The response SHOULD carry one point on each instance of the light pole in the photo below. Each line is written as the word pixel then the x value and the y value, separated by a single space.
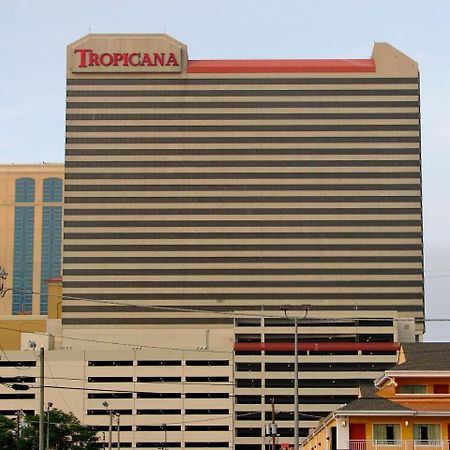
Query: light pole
pixel 106 405
pixel 164 427
pixel 118 430
pixel 49 405
pixel 296 415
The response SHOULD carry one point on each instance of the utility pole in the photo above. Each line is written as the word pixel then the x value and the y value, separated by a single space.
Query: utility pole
pixel 19 416
pixel 41 399
pixel 49 405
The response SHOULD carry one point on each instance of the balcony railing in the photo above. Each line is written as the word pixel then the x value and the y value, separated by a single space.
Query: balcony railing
pixel 398 445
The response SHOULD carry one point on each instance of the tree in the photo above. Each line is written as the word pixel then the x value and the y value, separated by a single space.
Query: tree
pixel 66 433
pixel 7 429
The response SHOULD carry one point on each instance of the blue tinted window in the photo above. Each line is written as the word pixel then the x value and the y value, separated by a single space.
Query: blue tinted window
pixel 52 190
pixel 24 190
pixel 23 259
pixel 51 249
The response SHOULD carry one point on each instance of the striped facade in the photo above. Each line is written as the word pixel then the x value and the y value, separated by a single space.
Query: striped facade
pixel 217 188
pixel 199 203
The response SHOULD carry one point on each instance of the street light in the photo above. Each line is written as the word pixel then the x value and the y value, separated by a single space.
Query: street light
pixel 49 405
pixel 118 430
pixel 164 427
pixel 295 318
pixel 106 405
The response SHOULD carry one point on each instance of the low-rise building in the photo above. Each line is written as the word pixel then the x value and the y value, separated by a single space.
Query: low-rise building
pixel 407 408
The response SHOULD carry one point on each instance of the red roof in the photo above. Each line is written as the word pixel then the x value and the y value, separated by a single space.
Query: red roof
pixel 281 66
pixel 54 280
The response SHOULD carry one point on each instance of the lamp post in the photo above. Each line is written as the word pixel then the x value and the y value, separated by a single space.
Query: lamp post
pixel 49 405
pixel 106 405
pixel 164 427
pixel 296 415
pixel 118 430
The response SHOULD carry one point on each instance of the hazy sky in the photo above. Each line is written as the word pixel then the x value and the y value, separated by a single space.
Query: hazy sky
pixel 34 35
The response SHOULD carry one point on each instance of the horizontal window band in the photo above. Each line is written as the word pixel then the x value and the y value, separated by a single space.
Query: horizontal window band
pixel 247 93
pixel 144 320
pixel 338 296
pixel 226 272
pixel 246 199
pixel 244 104
pixel 250 235
pixel 239 259
pixel 243 116
pixel 240 223
pixel 237 248
pixel 233 81
pixel 239 175
pixel 238 187
pixel 232 128
pixel 243 163
pixel 213 308
pixel 243 284
pixel 241 140
pixel 239 151
pixel 237 211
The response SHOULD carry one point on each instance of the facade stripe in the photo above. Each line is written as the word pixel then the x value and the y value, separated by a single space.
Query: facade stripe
pixel 239 223
pixel 238 175
pixel 242 104
pixel 91 152
pixel 233 128
pixel 246 199
pixel 239 187
pixel 247 163
pixel 85 259
pixel 233 81
pixel 244 116
pixel 239 211
pixel 236 247
pixel 241 271
pixel 246 93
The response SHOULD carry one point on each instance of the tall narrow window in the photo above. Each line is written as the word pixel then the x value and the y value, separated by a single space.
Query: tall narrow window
pixel 51 237
pixel 23 248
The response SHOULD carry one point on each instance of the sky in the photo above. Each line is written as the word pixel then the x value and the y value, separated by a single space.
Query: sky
pixel 34 35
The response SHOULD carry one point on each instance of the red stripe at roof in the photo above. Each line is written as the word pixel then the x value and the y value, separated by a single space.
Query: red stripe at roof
pixel 281 66
pixel 317 346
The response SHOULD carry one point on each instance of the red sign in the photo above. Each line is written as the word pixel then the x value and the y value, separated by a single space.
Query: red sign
pixel 89 58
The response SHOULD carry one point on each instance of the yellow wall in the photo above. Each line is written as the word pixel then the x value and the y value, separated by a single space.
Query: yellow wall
pixel 11 327
pixel 54 299
pixel 9 173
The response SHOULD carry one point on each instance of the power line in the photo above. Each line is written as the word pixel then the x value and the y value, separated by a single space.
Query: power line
pixel 236 314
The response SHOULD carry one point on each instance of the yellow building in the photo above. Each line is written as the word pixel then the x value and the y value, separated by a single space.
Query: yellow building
pixel 17 330
pixel 408 407
pixel 30 230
